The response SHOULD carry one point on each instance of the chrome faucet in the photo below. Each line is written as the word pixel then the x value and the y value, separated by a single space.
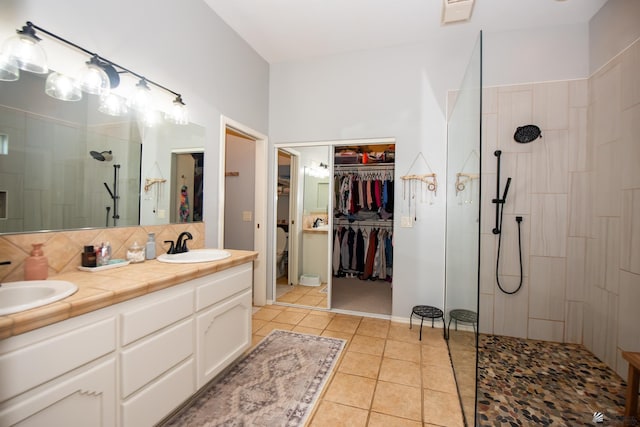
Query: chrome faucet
pixel 318 222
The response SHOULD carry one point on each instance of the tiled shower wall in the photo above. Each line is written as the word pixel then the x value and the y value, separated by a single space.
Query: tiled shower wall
pixel 578 191
pixel 546 191
pixel 612 241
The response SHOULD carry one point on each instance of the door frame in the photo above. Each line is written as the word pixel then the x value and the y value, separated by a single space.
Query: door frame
pixel 260 202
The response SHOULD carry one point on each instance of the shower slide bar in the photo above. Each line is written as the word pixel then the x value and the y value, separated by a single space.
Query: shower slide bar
pixel 499 202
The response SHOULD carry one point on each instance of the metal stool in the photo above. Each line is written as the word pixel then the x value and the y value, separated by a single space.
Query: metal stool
pixel 426 312
pixel 464 316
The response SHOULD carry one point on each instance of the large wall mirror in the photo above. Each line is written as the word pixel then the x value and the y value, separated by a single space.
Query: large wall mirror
pixel 302 225
pixel 65 165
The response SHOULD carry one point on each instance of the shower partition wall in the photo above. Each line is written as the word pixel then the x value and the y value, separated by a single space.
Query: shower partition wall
pixel 463 230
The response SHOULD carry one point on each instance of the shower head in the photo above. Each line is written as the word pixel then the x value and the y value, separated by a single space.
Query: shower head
pixel 527 133
pixel 102 156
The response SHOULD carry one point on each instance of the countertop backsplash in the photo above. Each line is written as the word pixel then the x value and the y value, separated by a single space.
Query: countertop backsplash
pixel 63 249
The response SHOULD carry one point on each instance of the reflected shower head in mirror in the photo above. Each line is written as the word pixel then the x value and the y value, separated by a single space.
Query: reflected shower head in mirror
pixel 102 156
pixel 527 133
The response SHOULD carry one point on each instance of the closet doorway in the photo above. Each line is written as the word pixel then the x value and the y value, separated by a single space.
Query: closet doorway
pixel 339 222
pixel 362 254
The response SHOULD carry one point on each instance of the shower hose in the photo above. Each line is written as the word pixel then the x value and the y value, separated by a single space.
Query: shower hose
pixel 518 220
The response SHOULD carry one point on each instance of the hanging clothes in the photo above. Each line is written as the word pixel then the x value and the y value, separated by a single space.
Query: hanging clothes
pixel 184 204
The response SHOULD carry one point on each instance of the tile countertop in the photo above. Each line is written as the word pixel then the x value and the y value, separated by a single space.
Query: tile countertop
pixel 97 290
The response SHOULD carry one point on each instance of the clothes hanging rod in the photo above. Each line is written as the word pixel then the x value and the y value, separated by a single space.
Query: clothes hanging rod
pixel 372 167
pixel 368 222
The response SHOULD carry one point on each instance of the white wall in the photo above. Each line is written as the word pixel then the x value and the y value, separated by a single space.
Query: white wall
pixel 401 92
pixel 240 193
pixel 181 45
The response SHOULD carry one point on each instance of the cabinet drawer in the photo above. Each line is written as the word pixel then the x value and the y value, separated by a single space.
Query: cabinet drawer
pixel 159 399
pixel 23 369
pixel 223 285
pixel 163 311
pixel 150 358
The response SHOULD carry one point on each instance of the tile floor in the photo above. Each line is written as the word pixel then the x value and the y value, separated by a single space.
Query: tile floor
pixel 386 376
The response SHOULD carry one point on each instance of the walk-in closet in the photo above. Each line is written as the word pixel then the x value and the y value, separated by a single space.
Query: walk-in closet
pixel 362 242
pixel 334 225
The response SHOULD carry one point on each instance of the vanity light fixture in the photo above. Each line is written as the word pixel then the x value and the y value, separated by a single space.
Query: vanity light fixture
pixel 100 75
pixel 93 79
pixel 24 50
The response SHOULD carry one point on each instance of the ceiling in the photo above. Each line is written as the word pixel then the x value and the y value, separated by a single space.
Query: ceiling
pixel 290 30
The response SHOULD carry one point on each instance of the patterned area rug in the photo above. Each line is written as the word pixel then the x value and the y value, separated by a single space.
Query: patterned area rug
pixel 525 382
pixel 276 384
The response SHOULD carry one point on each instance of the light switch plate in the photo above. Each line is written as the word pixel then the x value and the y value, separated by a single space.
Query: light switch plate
pixel 406 222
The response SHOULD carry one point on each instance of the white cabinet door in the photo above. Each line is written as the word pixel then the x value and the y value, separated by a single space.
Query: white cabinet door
pixel 223 334
pixel 85 397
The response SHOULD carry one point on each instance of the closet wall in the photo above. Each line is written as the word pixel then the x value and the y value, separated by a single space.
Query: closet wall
pixel 362 244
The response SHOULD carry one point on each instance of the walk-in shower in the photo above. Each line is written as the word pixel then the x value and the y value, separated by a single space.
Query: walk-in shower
pixel 522 135
pixel 107 156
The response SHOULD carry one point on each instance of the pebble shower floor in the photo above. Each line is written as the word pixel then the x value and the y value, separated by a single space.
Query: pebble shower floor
pixel 526 382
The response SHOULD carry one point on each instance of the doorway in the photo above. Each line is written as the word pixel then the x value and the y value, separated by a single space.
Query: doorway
pixel 187 172
pixel 246 214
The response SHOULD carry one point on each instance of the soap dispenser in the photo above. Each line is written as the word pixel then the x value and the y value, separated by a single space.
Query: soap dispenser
pixel 150 247
pixel 36 266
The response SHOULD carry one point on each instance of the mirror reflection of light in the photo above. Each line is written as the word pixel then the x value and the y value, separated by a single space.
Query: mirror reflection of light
pixel 113 105
pixel 62 87
pixel 318 170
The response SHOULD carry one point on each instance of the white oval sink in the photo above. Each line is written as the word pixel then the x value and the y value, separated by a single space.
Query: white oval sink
pixel 195 255
pixel 27 294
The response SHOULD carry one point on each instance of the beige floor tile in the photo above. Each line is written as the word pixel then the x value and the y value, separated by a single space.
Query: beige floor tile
pixel 351 390
pixel 364 365
pixel 442 408
pixel 342 324
pixel 322 313
pixel 439 378
pixel 334 414
pixel 382 420
pixel 368 345
pixel 257 324
pixel 310 300
pixel 290 297
pixel 373 328
pixel 432 355
pixel 398 400
pixel 290 317
pixel 401 332
pixel 305 330
pixel 400 372
pixel 266 314
pixel 336 334
pixel 402 350
pixel 298 310
pixel 313 320
pixel 264 331
pixel 433 336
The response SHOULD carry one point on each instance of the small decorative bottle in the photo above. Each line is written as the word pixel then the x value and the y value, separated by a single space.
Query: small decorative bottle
pixel 150 248
pixel 89 256
pixel 36 267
